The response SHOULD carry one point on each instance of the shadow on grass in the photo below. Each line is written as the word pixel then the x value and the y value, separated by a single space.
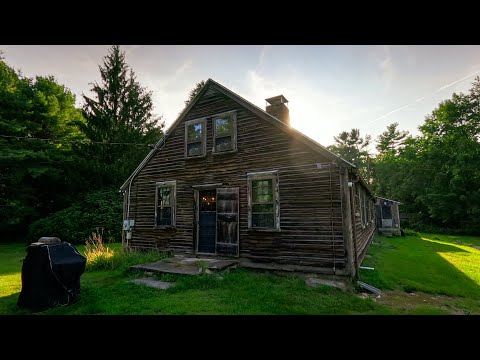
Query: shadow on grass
pixel 8 305
pixel 416 264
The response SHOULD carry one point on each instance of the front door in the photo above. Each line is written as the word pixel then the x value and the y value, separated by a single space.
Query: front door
pixel 207 221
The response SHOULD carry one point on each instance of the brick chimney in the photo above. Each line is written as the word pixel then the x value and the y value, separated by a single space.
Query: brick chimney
pixel 277 106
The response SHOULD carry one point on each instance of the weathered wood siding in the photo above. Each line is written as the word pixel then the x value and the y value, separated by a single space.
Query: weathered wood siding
pixel 310 204
pixel 363 232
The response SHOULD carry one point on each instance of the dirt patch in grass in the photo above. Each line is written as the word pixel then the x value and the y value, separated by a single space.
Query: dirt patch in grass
pixel 419 302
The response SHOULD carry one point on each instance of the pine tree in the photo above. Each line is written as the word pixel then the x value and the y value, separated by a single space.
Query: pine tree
pixel 390 141
pixel 120 112
pixel 353 148
pixel 194 92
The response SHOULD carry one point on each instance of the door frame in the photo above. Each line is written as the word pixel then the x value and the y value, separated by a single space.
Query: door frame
pixel 196 198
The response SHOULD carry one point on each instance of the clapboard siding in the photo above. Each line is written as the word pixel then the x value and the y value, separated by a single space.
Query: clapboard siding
pixel 364 234
pixel 310 198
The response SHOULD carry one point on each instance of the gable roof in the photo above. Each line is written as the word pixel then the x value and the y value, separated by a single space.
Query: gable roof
pixel 249 106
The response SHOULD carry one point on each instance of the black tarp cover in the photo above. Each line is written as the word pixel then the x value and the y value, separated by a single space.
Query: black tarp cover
pixel 51 276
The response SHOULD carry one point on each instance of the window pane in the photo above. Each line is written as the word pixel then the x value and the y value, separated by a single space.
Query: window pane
pixel 164 216
pixel 164 196
pixel 223 144
pixel 262 198
pixel 262 208
pixel 262 220
pixel 195 132
pixel 223 126
pixel 208 200
pixel 194 149
pixel 262 190
pixel 386 212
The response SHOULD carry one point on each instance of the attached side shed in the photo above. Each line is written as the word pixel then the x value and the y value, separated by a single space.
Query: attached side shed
pixel 388 216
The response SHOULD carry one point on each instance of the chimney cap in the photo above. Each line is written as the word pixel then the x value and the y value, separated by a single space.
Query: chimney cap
pixel 279 99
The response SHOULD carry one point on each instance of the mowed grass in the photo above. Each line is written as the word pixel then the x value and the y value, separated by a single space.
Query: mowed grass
pixel 237 291
pixel 447 267
pixel 431 274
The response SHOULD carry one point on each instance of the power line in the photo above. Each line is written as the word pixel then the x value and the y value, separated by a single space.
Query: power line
pixel 70 141
pixel 422 98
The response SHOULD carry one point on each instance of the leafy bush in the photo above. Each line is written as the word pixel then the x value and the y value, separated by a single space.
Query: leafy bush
pixel 98 209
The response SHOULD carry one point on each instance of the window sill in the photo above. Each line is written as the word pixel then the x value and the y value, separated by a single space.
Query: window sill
pixel 164 227
pixel 225 152
pixel 195 157
pixel 263 230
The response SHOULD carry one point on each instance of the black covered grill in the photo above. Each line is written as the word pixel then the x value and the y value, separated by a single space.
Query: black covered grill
pixel 50 276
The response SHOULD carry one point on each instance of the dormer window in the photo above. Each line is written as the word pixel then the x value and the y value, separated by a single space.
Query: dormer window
pixel 195 138
pixel 225 132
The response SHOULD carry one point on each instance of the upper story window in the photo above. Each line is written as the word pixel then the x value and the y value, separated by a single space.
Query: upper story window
pixel 225 132
pixel 195 138
pixel 165 202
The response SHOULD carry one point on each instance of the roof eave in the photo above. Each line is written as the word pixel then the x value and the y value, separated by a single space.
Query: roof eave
pixel 166 134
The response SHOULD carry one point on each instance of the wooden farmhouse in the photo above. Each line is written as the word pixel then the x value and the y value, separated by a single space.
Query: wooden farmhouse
pixel 229 179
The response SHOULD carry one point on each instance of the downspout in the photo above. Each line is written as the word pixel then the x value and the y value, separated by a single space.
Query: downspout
pixel 157 147
pixel 128 211
pixel 123 210
pixel 355 180
pixel 354 227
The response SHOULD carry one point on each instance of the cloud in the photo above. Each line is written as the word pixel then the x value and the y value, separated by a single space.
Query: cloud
pixel 187 64
pixel 387 68
pixel 263 54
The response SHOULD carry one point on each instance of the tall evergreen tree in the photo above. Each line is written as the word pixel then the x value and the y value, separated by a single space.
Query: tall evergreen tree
pixel 194 92
pixel 119 120
pixel 353 148
pixel 390 141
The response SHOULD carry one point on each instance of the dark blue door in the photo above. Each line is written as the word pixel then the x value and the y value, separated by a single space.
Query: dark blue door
pixel 207 221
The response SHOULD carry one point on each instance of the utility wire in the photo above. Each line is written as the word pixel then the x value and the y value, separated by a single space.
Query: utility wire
pixel 422 98
pixel 71 141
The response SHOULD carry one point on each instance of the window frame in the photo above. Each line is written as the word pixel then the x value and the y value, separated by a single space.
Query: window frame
pixel 173 203
pixel 264 175
pixel 365 223
pixel 361 206
pixel 233 114
pixel 372 211
pixel 203 141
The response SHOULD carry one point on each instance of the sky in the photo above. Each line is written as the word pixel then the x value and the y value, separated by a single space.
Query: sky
pixel 330 88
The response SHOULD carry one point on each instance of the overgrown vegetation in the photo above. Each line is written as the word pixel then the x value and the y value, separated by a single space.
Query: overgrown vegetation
pixel 61 160
pixel 109 256
pixel 100 209
pixel 98 253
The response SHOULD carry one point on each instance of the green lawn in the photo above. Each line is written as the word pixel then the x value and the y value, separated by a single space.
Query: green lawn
pixel 418 275
pixel 440 271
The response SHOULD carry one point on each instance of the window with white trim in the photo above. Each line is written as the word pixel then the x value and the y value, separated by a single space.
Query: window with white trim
pixel 165 203
pixel 263 201
pixel 364 208
pixel 370 217
pixel 195 138
pixel 225 132
pixel 358 205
